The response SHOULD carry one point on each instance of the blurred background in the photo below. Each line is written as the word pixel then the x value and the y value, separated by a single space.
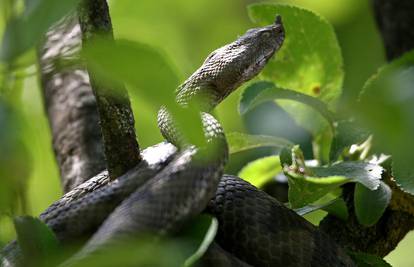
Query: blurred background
pixel 186 32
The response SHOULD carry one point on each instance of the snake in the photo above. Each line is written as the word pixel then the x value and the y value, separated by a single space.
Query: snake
pixel 177 180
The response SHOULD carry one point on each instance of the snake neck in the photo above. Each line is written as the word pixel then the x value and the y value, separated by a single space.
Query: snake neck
pixel 223 71
pixel 215 142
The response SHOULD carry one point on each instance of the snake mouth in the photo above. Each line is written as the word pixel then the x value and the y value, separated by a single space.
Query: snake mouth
pixel 257 66
pixel 279 41
pixel 265 58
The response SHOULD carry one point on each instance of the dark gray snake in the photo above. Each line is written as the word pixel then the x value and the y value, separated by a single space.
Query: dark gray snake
pixel 172 185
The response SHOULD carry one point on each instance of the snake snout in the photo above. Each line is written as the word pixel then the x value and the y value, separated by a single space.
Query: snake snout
pixel 279 29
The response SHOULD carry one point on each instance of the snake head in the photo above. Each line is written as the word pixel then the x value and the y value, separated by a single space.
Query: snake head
pixel 244 58
pixel 228 67
pixel 259 45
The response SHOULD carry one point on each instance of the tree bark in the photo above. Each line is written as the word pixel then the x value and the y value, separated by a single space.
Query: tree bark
pixel 395 19
pixel 72 108
pixel 379 239
pixel 70 105
pixel 114 108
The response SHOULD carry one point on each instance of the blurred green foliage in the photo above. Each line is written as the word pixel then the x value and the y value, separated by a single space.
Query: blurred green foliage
pixel 23 32
pixel 36 240
pixel 392 123
pixel 182 33
pixel 239 142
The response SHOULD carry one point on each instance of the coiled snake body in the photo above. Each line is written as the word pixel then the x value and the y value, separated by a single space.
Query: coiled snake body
pixel 172 185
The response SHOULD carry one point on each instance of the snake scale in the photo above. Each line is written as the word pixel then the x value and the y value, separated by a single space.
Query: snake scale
pixel 174 183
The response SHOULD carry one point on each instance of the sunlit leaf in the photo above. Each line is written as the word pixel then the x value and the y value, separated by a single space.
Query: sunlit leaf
pixel 367 174
pixel 371 204
pixel 310 59
pixel 23 32
pixel 263 91
pixel 261 170
pixel 240 142
pixel 386 108
pixel 304 190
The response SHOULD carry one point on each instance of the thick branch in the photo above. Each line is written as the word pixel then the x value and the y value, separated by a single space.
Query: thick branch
pixel 396 23
pixel 72 108
pixel 115 113
pixel 70 105
pixel 379 239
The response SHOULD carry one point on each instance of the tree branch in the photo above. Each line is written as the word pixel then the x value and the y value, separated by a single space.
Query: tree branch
pixel 379 239
pixel 70 105
pixel 115 113
pixel 396 23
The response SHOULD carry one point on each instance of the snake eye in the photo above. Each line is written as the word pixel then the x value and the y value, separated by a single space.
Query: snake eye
pixel 266 34
pixel 279 30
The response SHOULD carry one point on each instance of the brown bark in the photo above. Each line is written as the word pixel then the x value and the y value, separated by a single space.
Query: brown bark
pixel 379 239
pixel 70 105
pixel 114 108
pixel 73 111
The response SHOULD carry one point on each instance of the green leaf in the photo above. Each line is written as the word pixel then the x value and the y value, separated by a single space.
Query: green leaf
pixel 23 32
pixel 304 190
pixel 205 234
pixel 332 203
pixel 261 170
pixel 285 157
pixel 367 174
pixel 239 142
pixel 403 172
pixel 335 207
pixel 310 59
pixel 148 72
pixel 368 260
pixel 36 240
pixel 347 133
pixel 370 205
pixel 263 91
pixel 137 252
pixel 15 159
pixel 338 208
pixel 386 109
